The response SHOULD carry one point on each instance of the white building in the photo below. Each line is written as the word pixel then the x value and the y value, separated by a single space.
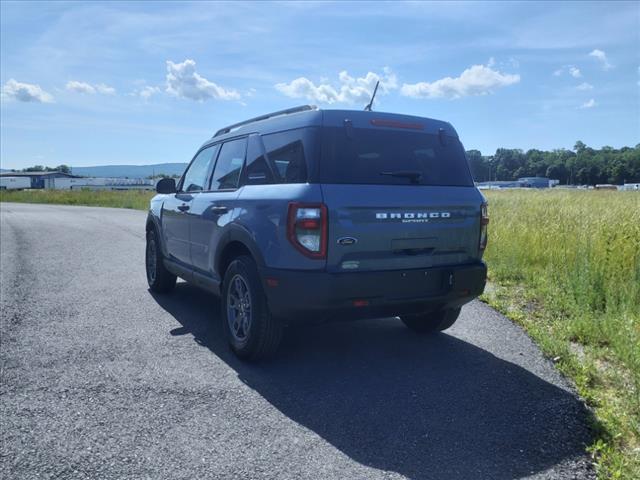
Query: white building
pixel 103 183
pixel 14 183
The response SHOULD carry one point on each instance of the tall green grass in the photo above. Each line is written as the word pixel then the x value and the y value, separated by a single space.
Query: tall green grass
pixel 136 199
pixel 566 264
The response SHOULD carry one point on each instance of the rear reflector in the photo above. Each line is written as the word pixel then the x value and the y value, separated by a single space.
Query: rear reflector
pixel 308 224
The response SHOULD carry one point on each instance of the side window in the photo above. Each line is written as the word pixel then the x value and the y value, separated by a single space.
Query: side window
pixel 196 176
pixel 286 153
pixel 229 165
pixel 257 171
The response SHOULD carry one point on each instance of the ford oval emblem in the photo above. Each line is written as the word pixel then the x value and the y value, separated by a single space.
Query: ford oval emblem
pixel 347 241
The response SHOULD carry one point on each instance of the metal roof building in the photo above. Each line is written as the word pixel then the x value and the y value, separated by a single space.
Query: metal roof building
pixel 39 179
pixel 534 182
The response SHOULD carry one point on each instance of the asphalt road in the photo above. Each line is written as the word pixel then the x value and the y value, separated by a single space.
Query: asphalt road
pixel 102 380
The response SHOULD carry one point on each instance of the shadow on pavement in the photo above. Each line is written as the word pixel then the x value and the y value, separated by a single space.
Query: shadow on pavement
pixel 425 407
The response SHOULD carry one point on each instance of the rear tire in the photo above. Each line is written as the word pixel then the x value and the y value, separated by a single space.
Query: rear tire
pixel 160 279
pixel 253 333
pixel 431 322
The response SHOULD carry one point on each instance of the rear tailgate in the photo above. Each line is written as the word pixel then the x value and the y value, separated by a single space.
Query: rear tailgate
pixel 391 227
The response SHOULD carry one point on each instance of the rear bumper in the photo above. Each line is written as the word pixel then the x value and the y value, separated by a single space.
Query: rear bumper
pixel 319 296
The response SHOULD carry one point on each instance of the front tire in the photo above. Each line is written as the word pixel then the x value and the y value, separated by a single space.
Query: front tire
pixel 253 333
pixel 431 322
pixel 160 279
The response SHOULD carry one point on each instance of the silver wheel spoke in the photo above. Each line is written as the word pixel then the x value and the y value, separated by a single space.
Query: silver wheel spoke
pixel 239 308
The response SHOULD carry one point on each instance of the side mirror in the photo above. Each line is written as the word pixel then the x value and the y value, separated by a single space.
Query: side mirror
pixel 166 185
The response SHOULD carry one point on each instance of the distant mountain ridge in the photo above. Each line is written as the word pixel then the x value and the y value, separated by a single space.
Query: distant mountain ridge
pixel 131 171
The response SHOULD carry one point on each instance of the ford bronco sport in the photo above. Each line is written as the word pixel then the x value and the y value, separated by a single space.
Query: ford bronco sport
pixel 310 215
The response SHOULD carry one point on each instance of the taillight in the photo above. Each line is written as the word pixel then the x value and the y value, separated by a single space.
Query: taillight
pixel 307 228
pixel 484 221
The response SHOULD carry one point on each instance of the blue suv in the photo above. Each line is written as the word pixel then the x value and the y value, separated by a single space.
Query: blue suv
pixel 311 215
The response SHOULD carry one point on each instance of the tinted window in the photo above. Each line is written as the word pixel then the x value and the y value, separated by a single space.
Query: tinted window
pixel 195 178
pixel 257 171
pixel 229 165
pixel 288 153
pixel 392 157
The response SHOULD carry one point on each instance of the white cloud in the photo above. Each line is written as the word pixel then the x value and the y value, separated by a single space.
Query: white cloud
pixel 83 87
pixel 475 80
pixel 105 89
pixel 25 92
pixel 148 91
pixel 589 104
pixel 571 69
pixel 575 72
pixel 585 86
pixel 184 82
pixel 349 90
pixel 80 87
pixel 602 57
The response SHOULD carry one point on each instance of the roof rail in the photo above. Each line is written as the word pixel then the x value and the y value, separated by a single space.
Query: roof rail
pixel 301 108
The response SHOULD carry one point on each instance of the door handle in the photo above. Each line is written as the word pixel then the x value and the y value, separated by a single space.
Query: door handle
pixel 219 209
pixel 183 208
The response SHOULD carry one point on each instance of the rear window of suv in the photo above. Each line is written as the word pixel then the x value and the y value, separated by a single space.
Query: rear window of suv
pixel 392 157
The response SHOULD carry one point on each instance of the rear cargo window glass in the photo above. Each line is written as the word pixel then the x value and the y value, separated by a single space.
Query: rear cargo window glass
pixel 288 153
pixel 375 156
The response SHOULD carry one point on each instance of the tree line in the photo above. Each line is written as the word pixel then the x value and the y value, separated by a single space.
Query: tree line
pixel 42 168
pixel 581 166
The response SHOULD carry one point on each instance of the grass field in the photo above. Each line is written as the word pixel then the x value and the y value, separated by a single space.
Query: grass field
pixel 136 199
pixel 566 266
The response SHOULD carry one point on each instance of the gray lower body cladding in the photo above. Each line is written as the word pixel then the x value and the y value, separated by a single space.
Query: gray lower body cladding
pixel 322 296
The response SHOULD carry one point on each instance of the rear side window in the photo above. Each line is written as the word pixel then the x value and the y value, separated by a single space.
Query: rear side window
pixel 257 170
pixel 226 173
pixel 392 157
pixel 289 153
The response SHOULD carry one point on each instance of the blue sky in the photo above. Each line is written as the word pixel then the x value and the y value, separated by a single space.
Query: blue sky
pixel 140 83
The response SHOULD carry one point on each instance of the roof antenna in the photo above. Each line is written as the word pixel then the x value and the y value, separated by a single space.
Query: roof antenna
pixel 368 107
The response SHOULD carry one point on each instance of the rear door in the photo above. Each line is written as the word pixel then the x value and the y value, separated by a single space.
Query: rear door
pixel 176 209
pixel 214 209
pixel 397 199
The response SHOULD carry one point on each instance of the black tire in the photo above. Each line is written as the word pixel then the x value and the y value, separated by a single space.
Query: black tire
pixel 263 331
pixel 160 279
pixel 431 322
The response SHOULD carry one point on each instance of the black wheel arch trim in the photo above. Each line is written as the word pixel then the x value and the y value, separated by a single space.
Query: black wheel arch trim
pixel 154 222
pixel 237 233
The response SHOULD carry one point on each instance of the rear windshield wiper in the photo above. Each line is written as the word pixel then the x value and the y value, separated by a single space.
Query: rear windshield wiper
pixel 412 175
